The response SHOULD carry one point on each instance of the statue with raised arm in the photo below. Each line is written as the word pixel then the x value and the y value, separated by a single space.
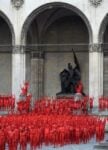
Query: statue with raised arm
pixel 71 78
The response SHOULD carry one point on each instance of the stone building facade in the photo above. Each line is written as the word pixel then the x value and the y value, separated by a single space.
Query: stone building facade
pixel 36 41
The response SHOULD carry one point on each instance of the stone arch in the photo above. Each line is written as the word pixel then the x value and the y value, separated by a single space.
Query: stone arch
pixel 102 29
pixel 9 25
pixel 7 42
pixel 49 5
pixel 38 79
pixel 103 40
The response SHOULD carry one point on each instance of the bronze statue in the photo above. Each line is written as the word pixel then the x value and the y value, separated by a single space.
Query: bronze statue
pixel 70 77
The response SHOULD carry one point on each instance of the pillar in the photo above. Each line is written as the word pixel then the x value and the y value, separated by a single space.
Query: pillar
pixel 37 74
pixel 18 70
pixel 95 72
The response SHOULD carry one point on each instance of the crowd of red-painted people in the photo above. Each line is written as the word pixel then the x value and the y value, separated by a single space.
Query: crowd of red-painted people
pixel 7 102
pixel 46 104
pixel 103 103
pixel 51 121
pixel 49 105
pixel 23 106
pixel 57 130
pixel 62 106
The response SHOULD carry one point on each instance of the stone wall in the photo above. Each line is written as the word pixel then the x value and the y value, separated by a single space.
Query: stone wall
pixel 105 64
pixel 5 58
pixel 5 73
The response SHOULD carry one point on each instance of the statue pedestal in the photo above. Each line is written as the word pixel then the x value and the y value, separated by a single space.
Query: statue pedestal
pixel 76 96
pixel 66 96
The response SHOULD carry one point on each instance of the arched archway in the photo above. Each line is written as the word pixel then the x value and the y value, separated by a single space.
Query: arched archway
pixel 102 29
pixel 59 25
pixel 2 15
pixel 7 40
pixel 103 39
pixel 37 11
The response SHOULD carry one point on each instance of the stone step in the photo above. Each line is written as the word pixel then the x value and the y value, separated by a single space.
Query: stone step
pixel 104 144
pixel 101 146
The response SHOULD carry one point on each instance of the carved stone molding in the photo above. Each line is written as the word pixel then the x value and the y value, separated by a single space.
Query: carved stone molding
pixel 95 47
pixel 95 3
pixel 17 3
pixel 17 49
pixel 36 55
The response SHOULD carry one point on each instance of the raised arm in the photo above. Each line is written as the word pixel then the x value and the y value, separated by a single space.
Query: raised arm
pixel 76 61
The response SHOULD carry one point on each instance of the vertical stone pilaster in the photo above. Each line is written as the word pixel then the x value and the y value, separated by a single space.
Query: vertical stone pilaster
pixel 95 72
pixel 37 65
pixel 18 69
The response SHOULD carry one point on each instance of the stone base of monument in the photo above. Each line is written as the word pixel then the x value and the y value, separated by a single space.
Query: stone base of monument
pixel 103 146
pixel 76 96
pixel 67 96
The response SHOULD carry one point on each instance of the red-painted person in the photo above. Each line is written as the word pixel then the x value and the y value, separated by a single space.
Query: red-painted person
pixel 24 89
pixel 11 138
pixel 79 87
pixel 47 131
pixel 2 139
pixel 91 103
pixel 23 139
pixel 77 135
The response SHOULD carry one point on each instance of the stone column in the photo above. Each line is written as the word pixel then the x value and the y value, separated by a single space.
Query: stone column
pixel 37 74
pixel 95 72
pixel 18 69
